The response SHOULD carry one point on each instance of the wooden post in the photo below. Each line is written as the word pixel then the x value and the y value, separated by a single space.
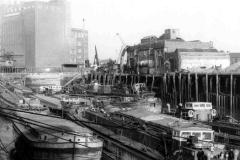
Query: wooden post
pixel 189 87
pixel 95 76
pixel 134 79
pixel 174 90
pixel 152 82
pixel 164 83
pixel 146 80
pixel 217 93
pixel 196 86
pixel 131 80
pixel 108 79
pixel 207 87
pixel 104 78
pixel 113 80
pixel 99 78
pixel 120 78
pixel 231 94
pixel 91 79
pixel 180 87
pixel 126 79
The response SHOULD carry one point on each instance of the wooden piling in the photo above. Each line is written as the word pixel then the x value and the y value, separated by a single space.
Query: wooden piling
pixel 113 80
pixel 174 90
pixel 126 79
pixel 206 87
pixel 152 82
pixel 180 87
pixel 217 85
pixel 196 86
pixel 132 81
pixel 189 87
pixel 164 84
pixel 91 79
pixel 104 79
pixel 231 94
pixel 146 80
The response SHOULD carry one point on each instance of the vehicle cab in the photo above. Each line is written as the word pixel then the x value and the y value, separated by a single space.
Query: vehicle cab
pixel 198 143
pixel 201 111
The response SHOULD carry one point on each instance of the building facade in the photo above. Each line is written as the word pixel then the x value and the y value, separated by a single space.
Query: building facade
pixel 170 53
pixel 38 33
pixel 79 49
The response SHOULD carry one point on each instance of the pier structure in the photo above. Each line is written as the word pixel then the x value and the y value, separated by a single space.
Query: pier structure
pixel 174 88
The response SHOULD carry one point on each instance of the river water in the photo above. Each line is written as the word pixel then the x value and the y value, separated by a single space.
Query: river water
pixel 7 138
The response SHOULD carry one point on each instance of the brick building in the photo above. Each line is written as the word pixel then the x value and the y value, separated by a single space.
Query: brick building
pixel 170 53
pixel 38 33
pixel 79 47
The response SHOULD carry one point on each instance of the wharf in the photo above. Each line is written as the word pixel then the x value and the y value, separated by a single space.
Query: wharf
pixel 174 88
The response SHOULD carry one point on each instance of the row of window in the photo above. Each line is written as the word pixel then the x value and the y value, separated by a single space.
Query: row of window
pixel 15 9
pixel 73 51
pixel 79 34
pixel 145 53
pixel 74 60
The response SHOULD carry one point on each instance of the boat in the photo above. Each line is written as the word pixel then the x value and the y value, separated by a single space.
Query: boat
pixel 69 141
pixel 13 100
pixel 173 137
pixel 35 140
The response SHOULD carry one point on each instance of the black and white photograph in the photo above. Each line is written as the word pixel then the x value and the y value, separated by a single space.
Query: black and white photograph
pixel 119 80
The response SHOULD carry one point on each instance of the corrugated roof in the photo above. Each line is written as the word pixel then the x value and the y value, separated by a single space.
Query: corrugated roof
pixel 197 50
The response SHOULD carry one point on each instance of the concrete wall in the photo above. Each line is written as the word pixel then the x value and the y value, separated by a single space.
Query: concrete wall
pixel 29 35
pixel 51 36
pixel 13 38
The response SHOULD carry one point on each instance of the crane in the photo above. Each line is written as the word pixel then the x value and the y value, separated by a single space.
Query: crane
pixel 123 46
pixel 121 53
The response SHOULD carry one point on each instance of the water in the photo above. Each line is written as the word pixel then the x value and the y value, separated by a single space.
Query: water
pixel 6 136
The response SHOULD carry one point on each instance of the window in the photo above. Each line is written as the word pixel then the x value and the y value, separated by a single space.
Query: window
pixel 207 136
pixel 208 105
pixel 79 43
pixel 79 51
pixel 79 35
pixel 197 134
pixel 202 105
pixel 196 105
pixel 72 51
pixel 73 60
pixel 186 134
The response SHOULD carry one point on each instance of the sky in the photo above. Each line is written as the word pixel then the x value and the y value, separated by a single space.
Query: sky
pixel 205 20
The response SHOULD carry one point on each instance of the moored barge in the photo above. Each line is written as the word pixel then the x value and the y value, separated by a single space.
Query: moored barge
pixel 73 142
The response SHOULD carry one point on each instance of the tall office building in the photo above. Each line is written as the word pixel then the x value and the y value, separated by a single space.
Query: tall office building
pixel 79 47
pixel 38 33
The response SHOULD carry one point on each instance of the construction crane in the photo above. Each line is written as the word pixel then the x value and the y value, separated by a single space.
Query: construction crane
pixel 121 53
pixel 123 46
